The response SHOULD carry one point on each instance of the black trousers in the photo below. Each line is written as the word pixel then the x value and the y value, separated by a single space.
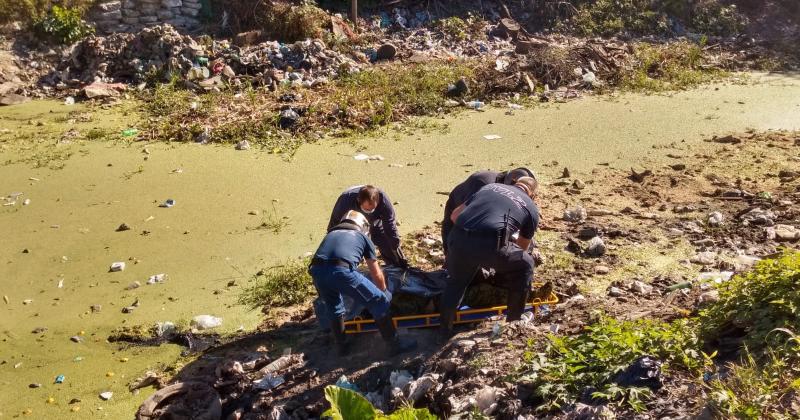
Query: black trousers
pixel 469 252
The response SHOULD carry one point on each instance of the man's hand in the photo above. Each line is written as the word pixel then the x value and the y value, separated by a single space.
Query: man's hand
pixel 376 274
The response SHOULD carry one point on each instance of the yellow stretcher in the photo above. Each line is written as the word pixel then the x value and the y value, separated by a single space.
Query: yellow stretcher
pixel 362 325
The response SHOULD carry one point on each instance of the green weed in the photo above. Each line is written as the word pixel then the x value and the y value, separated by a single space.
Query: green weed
pixel 592 359
pixel 271 221
pixel 279 286
pixel 62 25
pixel 759 387
pixel 673 66
pixel 756 303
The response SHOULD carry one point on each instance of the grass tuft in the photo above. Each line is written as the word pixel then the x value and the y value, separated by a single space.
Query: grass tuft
pixel 279 286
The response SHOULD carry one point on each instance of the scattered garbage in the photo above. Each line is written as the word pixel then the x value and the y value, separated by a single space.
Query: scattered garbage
pixel 476 105
pixel 166 329
pixel 400 378
pixel 117 266
pixel 363 157
pixel 492 137
pixel 167 203
pixel 157 278
pixel 205 322
pixel 596 247
pixel 269 381
pixel 575 215
pixel 715 219
pixel 243 145
pixel 715 276
pixel 105 396
pixel 76 339
pixel 643 372
pixel 345 383
pixel 59 379
pixel 129 132
pixel 69 100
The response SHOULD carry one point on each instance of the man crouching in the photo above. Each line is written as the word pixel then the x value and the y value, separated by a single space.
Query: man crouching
pixel 334 270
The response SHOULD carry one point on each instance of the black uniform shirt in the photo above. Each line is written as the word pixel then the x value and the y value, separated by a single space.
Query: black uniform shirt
pixel 471 185
pixel 384 213
pixel 492 206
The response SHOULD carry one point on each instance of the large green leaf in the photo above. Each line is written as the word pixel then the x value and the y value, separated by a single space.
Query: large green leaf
pixel 410 414
pixel 347 405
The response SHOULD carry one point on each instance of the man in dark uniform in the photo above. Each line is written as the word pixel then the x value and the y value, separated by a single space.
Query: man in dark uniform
pixel 373 203
pixel 334 270
pixel 470 186
pixel 482 238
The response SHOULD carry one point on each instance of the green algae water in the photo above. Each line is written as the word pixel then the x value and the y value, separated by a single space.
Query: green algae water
pixel 56 251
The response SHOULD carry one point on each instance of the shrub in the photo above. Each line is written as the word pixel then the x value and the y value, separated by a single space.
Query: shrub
pixel 592 359
pixel 62 25
pixel 279 286
pixel 755 303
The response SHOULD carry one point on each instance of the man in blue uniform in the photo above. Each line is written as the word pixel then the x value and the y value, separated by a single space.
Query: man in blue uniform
pixel 334 270
pixel 482 238
pixel 373 203
pixel 470 186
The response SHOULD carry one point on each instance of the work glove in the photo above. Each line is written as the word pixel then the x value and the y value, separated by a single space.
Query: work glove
pixel 400 259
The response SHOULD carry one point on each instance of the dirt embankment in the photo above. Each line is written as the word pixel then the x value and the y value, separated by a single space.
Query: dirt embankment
pixel 707 214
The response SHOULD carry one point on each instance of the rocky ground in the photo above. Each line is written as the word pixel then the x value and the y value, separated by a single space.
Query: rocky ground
pixel 645 243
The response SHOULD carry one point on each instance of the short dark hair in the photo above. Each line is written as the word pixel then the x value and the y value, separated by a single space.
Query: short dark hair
pixel 368 193
pixel 513 175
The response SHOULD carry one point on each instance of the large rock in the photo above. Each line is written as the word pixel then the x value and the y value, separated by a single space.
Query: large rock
pixel 13 99
pixel 99 90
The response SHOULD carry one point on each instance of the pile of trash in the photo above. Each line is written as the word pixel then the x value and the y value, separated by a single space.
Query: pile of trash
pixel 201 62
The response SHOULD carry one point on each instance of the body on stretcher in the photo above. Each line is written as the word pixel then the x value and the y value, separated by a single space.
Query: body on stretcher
pixel 464 316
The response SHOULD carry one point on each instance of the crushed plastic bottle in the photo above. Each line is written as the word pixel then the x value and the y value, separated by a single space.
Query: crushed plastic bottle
pixel 345 383
pixel 129 132
pixel 476 105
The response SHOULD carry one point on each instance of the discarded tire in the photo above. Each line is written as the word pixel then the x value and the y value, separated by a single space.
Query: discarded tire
pixel 190 400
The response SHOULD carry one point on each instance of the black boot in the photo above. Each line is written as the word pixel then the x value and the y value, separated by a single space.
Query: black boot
pixel 446 319
pixel 339 337
pixel 394 344
pixel 516 305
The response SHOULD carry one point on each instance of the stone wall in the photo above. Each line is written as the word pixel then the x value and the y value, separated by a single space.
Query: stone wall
pixel 133 15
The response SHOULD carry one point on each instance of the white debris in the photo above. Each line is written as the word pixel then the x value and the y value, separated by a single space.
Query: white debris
pixel 157 278
pixel 105 396
pixel 492 137
pixel 400 378
pixel 117 266
pixel 715 219
pixel 206 322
